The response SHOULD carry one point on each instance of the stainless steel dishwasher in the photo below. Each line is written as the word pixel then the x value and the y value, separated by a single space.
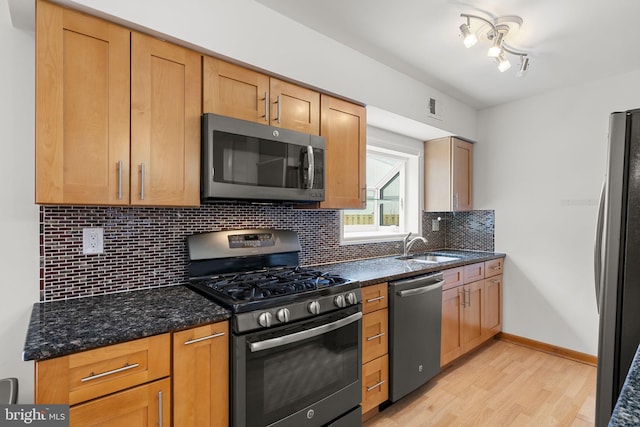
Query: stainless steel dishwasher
pixel 415 313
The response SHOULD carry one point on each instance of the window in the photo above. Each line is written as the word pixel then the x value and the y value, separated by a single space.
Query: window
pixel 394 193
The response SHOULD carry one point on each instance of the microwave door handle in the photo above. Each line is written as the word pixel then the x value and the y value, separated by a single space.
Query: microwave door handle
pixel 312 166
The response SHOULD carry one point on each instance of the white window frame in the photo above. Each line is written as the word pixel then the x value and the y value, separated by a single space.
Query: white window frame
pixel 412 153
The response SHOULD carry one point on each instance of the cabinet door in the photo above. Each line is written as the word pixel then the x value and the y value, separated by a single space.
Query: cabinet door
pixel 234 91
pixel 82 108
pixel 165 123
pixel 375 383
pixel 472 315
pixel 201 376
pixel 145 405
pixel 462 173
pixel 375 335
pixel 343 125
pixel 492 323
pixel 294 107
pixel 451 341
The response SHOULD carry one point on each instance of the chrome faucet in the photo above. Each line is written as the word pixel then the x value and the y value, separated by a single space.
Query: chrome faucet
pixel 408 243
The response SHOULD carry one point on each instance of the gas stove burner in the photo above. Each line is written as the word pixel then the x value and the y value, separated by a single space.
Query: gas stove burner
pixel 271 282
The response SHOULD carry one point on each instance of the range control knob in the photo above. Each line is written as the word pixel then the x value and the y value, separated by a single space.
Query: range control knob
pixel 339 301
pixel 283 315
pixel 314 307
pixel 351 298
pixel 265 319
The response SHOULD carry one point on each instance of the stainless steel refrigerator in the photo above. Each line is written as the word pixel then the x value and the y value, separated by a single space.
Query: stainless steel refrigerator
pixel 617 261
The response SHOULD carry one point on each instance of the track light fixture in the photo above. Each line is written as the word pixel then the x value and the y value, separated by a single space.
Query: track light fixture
pixel 495 31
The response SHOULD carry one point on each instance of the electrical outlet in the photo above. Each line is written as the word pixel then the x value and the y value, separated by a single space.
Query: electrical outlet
pixel 92 240
pixel 435 225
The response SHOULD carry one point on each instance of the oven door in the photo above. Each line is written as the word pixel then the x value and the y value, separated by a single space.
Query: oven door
pixel 304 374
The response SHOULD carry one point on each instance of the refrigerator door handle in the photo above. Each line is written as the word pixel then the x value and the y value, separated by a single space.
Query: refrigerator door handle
pixel 597 250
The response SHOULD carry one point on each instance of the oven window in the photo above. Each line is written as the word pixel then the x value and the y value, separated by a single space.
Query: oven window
pixel 239 159
pixel 284 380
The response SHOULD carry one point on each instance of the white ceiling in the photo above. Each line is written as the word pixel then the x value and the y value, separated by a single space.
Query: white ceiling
pixel 569 41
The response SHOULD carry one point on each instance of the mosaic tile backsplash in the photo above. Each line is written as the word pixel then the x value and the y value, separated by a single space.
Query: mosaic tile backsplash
pixel 146 247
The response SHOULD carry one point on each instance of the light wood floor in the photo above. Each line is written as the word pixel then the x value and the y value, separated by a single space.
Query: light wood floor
pixel 500 384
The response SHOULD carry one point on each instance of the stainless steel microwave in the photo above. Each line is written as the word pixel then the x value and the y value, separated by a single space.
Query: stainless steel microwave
pixel 243 160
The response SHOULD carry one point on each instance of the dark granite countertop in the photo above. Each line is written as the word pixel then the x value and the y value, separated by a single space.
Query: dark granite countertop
pixel 627 409
pixel 58 328
pixel 378 270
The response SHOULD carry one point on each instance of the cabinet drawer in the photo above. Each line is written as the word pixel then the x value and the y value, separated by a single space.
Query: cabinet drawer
pixel 375 336
pixel 452 278
pixel 473 272
pixel 145 405
pixel 493 267
pixel 89 374
pixel 374 298
pixel 375 383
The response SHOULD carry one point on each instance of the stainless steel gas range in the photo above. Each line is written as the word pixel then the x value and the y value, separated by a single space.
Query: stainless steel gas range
pixel 296 342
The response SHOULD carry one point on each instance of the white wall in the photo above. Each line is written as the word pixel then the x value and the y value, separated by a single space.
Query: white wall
pixel 18 213
pixel 540 163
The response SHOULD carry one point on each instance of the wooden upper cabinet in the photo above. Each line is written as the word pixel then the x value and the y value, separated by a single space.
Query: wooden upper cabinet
pixel 82 108
pixel 448 175
pixel 117 114
pixel 165 123
pixel 294 107
pixel 344 126
pixel 234 91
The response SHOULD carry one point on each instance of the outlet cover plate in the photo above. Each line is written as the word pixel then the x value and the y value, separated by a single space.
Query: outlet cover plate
pixel 92 240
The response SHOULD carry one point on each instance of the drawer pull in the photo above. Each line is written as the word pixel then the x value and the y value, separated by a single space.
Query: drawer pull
pixel 375 385
pixel 495 267
pixel 375 337
pixel 376 299
pixel 208 337
pixel 160 405
pixel 495 281
pixel 93 376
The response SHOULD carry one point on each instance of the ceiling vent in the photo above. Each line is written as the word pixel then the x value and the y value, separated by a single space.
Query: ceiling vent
pixel 435 109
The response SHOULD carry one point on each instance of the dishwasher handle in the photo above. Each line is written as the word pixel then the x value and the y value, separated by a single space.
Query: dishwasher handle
pixel 420 290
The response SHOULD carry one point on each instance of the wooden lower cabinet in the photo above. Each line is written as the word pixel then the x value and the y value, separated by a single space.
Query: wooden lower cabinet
pixel 201 376
pixel 145 405
pixel 493 306
pixel 375 383
pixel 471 308
pixel 375 347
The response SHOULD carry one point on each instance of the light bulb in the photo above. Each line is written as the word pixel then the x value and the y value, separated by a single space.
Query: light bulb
pixel 503 63
pixel 469 38
pixel 496 48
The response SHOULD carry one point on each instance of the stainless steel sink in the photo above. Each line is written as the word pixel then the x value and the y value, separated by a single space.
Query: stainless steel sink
pixel 428 258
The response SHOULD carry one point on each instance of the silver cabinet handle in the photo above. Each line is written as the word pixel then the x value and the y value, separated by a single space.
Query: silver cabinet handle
pixel 160 420
pixel 457 202
pixel 93 376
pixel 142 181
pixel 303 335
pixel 495 267
pixel 376 299
pixel 120 179
pixel 597 247
pixel 375 386
pixel 208 337
pixel 266 107
pixel 375 337
pixel 495 281
pixel 278 110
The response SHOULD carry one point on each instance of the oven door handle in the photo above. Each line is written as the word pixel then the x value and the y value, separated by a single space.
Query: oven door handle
pixel 303 335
